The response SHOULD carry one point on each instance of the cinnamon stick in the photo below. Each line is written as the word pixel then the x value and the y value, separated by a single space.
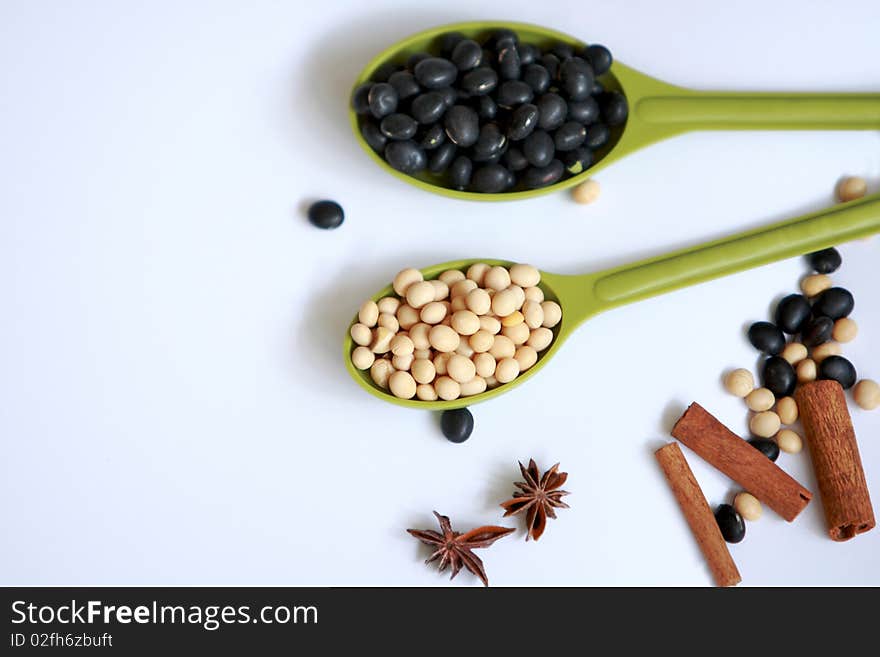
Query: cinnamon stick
pixel 698 514
pixel 835 455
pixel 733 456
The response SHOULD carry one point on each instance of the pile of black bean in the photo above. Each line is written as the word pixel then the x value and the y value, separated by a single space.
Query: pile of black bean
pixel 491 116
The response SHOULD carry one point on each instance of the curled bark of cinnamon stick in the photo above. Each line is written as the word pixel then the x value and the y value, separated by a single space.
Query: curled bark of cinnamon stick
pixel 835 455
pixel 698 514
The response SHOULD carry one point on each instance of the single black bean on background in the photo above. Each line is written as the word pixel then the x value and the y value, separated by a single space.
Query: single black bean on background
pixel 536 177
pixel 360 101
pixel 538 148
pixel 480 81
pixel 404 83
pixel 326 214
pixel 523 121
pixel 435 72
pixel 838 368
pixel 460 172
pixel 817 331
pixel 599 57
pixel 569 136
pixel 767 337
pixel 583 111
pixel 433 137
pixel 778 376
pixel 767 447
pixel 731 524
pixel 577 78
pixel 467 54
pixel 398 126
pixel 428 107
pixel 597 136
pixel 826 261
pixel 792 313
pixel 373 136
pixel 490 179
pixel 537 77
pixel 441 157
pixel 405 156
pixel 577 160
pixel 614 107
pixel 553 110
pixel 382 99
pixel 835 302
pixel 491 142
pixel 512 93
pixel 514 159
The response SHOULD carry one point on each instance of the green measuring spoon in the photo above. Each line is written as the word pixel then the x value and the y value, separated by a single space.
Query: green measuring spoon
pixel 658 110
pixel 586 295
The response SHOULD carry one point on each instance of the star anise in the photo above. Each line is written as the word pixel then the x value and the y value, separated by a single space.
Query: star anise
pixel 454 548
pixel 538 496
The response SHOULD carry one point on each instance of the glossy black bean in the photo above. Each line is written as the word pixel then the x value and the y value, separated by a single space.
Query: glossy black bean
pixel 467 54
pixel 399 126
pixel 503 38
pixel 480 81
pixel 457 425
pixel 490 179
pixel 486 107
pixel 598 88
pixel 462 125
pixel 826 261
pixel 537 77
pixel 435 72
pixel 583 111
pixel 450 96
pixel 514 159
pixel 538 148
pixel 512 93
pixel 382 99
pixel 528 53
pixel 767 337
pixel 551 63
pixel 569 136
pixel 563 51
pixel 433 137
pixel 536 177
pixel 597 136
pixel 360 101
pixel 405 84
pixel 817 331
pixel 326 214
pixel 599 57
pixel 615 109
pixel 383 72
pixel 405 156
pixel 490 143
pixel 577 160
pixel 448 42
pixel 509 64
pixel 373 136
pixel 767 447
pixel 523 121
pixel 441 157
pixel 577 78
pixel 835 302
pixel 553 110
pixel 838 368
pixel 414 59
pixel 778 376
pixel 792 313
pixel 731 524
pixel 460 172
pixel 428 107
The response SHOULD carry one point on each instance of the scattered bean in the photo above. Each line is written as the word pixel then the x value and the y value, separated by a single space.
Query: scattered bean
pixel 794 352
pixel 457 425
pixel 764 425
pixel 815 284
pixel 867 394
pixel 787 410
pixel 851 188
pixel 760 399
pixel 845 330
pixel 817 331
pixel 748 506
pixel 731 524
pixel 326 214
pixel 779 376
pixel 766 337
pixel 806 370
pixel 767 447
pixel 792 313
pixel 838 368
pixel 586 192
pixel 824 350
pixel 739 383
pixel 826 261
pixel 789 441
pixel 835 302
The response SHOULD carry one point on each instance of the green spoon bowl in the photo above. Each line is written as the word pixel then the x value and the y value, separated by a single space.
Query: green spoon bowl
pixel 583 296
pixel 658 110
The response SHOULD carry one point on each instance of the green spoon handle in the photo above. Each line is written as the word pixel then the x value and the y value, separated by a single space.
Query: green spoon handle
pixel 730 255
pixel 706 110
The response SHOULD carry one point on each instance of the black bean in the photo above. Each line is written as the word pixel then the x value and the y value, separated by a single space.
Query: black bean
pixel 597 136
pixel 537 77
pixel 569 136
pixel 778 376
pixel 462 125
pixel 488 59
pixel 528 53
pixel 509 64
pixel 404 83
pixel 553 110
pixel 538 148
pixel 792 313
pixel 433 137
pixel 382 99
pixel 460 172
pixel 490 143
pixel 577 160
pixel 467 54
pixel 731 524
pixel 767 447
pixel 614 107
pixel 817 331
pixel 450 96
pixel 825 261
pixel 563 51
pixel 405 156
pixel 512 93
pixel 441 158
pixel 435 72
pixel 514 159
pixel 457 425
pixel 599 57
pixel 428 107
pixel 838 368
pixel 598 88
pixel 360 101
pixel 490 179
pixel 399 126
pixel 577 78
pixel 373 136
pixel 486 107
pixel 383 72
pixel 448 42
pixel 326 214
pixel 503 38
pixel 767 337
pixel 414 59
pixel 536 177
pixel 523 121
pixel 480 81
pixel 551 63
pixel 835 302
pixel 583 111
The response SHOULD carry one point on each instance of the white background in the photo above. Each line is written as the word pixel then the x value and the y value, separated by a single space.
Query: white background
pixel 173 404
